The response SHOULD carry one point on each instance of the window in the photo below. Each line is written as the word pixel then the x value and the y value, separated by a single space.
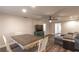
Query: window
pixel 44 28
pixel 57 28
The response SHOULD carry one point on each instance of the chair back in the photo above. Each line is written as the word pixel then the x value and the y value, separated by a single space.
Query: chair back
pixel 42 44
pixel 6 43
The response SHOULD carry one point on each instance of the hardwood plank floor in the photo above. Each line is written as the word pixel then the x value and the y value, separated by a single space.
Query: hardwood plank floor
pixel 54 48
pixel 58 48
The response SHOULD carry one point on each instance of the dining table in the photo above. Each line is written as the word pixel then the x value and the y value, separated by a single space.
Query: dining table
pixel 26 41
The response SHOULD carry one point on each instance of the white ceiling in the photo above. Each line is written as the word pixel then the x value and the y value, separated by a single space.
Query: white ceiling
pixel 41 12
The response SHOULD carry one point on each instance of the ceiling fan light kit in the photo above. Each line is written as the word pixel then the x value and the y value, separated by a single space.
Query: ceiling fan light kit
pixel 50 21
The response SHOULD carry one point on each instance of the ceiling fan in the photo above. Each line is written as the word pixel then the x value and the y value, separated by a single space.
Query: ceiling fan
pixel 51 18
pixel 54 17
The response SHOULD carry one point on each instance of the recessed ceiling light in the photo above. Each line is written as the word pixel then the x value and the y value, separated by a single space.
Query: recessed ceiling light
pixel 24 10
pixel 33 6
pixel 71 17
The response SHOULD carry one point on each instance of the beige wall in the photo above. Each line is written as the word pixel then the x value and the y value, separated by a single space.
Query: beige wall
pixel 13 24
pixel 70 26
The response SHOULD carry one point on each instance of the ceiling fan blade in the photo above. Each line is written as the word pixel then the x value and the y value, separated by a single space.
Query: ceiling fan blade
pixel 62 16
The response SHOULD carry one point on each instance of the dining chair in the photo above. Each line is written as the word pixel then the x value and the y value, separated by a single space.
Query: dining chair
pixel 42 44
pixel 11 47
pixel 7 44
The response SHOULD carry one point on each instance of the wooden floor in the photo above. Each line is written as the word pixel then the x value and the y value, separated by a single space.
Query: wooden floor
pixel 58 48
pixel 54 48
